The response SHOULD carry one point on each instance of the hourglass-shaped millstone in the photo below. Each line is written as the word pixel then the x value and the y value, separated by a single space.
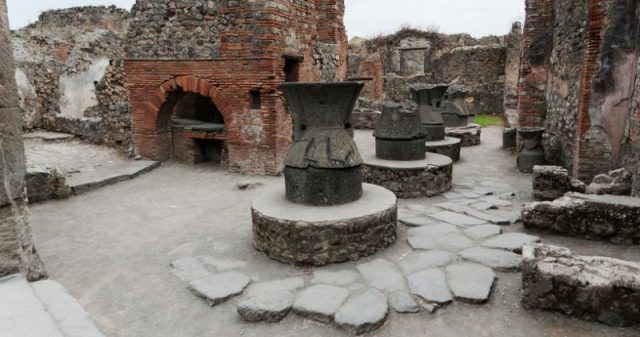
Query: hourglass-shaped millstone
pixel 456 108
pixel 399 134
pixel 429 98
pixel 323 166
pixel 532 152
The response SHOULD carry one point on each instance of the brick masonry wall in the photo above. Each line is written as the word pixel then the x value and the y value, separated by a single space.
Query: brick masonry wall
pixel 537 44
pixel 17 252
pixel 244 53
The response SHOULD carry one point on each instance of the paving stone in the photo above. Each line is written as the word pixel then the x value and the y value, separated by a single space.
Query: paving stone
pixel 452 195
pixel 470 282
pixel 363 313
pixel 483 231
pixel 432 231
pixel 320 302
pixel 484 191
pixel 270 307
pixel 513 215
pixel 383 275
pixel 511 241
pixel 484 206
pixel 336 278
pixel 430 285
pixel 189 269
pixel 402 302
pixel 222 265
pixel 497 201
pixel 471 195
pixel 418 221
pixel 495 185
pixel 487 217
pixel 407 213
pixel 453 206
pixel 289 284
pixel 221 287
pixel 452 242
pixel 420 261
pixel 495 258
pixel 456 219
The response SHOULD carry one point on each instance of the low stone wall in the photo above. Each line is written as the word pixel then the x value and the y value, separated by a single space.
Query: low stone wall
pixel 44 184
pixel 591 288
pixel 596 217
pixel 553 182
pixel 469 135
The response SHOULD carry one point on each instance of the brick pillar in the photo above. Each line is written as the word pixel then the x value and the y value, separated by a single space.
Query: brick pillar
pixel 534 65
pixel 17 252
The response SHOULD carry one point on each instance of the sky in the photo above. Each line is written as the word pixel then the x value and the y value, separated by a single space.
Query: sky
pixel 363 18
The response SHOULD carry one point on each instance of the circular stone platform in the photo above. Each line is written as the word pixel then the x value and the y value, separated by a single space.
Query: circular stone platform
pixel 410 179
pixel 449 147
pixel 469 135
pixel 319 235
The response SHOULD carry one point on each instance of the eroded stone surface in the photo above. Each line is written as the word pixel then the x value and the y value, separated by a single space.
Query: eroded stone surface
pixel 483 231
pixel 456 219
pixel 425 260
pixel 430 285
pixel 320 302
pixel 470 282
pixel 219 288
pixel 494 258
pixel 363 313
pixel 336 278
pixel 189 269
pixel 383 275
pixel 270 307
pixel 284 285
pixel 222 265
pixel 402 302
pixel 511 241
pixel 591 288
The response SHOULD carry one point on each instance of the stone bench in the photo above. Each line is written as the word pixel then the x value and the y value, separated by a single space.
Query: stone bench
pixel 591 288
pixel 596 217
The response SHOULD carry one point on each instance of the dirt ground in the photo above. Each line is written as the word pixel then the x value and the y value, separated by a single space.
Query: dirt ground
pixel 111 249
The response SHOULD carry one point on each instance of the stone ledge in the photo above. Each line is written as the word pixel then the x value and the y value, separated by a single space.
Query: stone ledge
pixel 591 288
pixel 469 135
pixel 596 217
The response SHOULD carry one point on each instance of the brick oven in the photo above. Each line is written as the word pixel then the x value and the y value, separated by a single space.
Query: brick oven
pixel 202 75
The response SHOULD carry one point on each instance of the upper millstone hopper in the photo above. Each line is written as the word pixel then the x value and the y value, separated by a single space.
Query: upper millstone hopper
pixel 323 166
pixel 457 107
pixel 324 214
pixel 429 98
pixel 399 134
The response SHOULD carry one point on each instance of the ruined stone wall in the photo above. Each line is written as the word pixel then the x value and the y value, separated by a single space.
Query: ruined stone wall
pixel 411 56
pixel 563 92
pixel 635 133
pixel 17 252
pixel 70 74
pixel 513 44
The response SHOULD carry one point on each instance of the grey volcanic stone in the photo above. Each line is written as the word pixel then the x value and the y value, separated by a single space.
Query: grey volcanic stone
pixel 483 231
pixel 425 260
pixel 363 313
pixel 430 285
pixel 336 278
pixel 484 206
pixel 416 221
pixel 511 241
pixel 494 258
pixel 222 265
pixel 402 302
pixel 452 242
pixel 320 302
pixel 470 282
pixel 600 217
pixel 286 285
pixel 456 219
pixel 383 275
pixel 591 288
pixel 219 288
pixel 189 269
pixel 269 307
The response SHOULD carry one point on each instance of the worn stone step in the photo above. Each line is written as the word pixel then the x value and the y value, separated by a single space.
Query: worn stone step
pixel 69 315
pixel 89 181
pixel 22 314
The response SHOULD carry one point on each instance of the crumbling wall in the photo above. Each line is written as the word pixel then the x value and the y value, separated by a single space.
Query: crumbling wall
pixel 17 252
pixel 563 92
pixel 69 66
pixel 412 56
pixel 513 43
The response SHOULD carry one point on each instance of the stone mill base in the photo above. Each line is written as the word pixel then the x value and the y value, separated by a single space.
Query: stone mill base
pixel 320 235
pixel 469 135
pixel 410 179
pixel 449 147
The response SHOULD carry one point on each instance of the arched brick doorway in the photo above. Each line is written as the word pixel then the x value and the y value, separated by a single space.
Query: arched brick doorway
pixel 188 120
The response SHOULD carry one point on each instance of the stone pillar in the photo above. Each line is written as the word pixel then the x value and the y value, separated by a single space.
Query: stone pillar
pixel 17 252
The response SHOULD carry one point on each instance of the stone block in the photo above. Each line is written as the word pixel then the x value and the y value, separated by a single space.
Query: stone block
pixel 45 184
pixel 591 288
pixel 597 217
pixel 550 182
pixel 617 182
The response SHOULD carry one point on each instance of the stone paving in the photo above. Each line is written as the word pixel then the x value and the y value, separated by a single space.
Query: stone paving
pixel 454 247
